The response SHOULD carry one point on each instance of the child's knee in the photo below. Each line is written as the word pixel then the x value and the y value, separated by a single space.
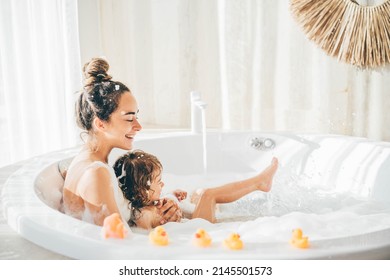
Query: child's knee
pixel 196 195
pixel 207 195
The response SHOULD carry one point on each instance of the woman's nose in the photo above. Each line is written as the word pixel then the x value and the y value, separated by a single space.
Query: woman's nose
pixel 137 126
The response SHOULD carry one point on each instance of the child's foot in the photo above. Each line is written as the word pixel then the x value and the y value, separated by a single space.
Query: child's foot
pixel 265 178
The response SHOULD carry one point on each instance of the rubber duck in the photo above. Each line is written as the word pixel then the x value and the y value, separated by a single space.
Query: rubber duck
pixel 234 242
pixel 201 238
pixel 113 227
pixel 159 236
pixel 298 240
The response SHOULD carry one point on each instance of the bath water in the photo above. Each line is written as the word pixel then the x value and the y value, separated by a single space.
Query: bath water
pixel 290 204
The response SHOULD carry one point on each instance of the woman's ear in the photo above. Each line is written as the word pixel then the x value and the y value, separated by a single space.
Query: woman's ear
pixel 98 124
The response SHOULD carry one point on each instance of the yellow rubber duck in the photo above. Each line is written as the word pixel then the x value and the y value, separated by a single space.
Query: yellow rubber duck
pixel 201 238
pixel 113 227
pixel 298 240
pixel 234 242
pixel 159 236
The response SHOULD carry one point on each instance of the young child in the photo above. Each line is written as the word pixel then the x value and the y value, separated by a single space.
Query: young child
pixel 139 175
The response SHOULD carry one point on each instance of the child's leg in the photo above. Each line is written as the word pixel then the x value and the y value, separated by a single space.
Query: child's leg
pixel 230 192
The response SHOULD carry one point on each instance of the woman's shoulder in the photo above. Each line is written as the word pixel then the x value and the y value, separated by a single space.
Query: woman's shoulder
pixel 96 180
pixel 98 170
pixel 83 168
pixel 97 164
pixel 93 167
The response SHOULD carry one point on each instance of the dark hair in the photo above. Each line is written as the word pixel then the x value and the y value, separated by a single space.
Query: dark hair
pixel 99 96
pixel 135 171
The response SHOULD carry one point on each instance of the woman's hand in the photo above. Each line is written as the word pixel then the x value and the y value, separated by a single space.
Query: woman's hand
pixel 169 211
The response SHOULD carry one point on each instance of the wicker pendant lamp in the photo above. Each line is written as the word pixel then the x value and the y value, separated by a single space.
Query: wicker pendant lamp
pixel 358 35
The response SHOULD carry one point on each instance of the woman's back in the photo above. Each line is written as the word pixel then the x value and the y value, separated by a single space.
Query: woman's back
pixel 91 191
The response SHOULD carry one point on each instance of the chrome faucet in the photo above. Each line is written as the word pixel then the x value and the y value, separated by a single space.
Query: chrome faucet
pixel 197 109
pixel 263 144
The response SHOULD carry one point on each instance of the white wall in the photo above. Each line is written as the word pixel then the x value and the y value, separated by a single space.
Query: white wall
pixel 89 29
pixel 249 59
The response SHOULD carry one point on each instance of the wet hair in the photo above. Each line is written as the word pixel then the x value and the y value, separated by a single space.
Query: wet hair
pixel 100 94
pixel 136 171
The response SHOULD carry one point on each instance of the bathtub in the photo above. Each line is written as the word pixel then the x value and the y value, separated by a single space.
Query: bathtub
pixel 335 188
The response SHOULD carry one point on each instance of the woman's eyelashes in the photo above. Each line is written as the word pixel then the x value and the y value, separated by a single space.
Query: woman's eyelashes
pixel 132 118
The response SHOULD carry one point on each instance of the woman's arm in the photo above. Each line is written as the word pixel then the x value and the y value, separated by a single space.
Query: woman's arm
pixel 96 189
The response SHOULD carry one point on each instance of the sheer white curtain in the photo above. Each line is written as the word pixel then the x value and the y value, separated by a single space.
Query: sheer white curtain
pixel 39 74
pixel 250 61
pixel 248 58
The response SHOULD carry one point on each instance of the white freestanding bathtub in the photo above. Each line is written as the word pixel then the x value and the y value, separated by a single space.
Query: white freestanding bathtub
pixel 335 188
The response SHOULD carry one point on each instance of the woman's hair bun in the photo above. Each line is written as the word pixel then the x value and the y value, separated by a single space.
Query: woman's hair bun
pixel 100 95
pixel 95 71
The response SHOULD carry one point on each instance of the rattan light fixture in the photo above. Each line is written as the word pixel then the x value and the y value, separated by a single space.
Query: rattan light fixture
pixel 358 35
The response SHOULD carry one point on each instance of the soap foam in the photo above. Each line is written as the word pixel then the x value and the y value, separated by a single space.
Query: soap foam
pixel 271 217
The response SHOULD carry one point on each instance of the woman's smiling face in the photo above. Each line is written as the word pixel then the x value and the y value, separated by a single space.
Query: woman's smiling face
pixel 123 124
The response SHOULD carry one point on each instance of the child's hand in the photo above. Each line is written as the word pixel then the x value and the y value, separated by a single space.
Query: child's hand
pixel 180 194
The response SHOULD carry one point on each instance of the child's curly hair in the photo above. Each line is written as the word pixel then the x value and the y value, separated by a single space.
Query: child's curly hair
pixel 135 171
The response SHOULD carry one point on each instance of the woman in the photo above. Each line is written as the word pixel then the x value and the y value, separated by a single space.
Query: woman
pixel 107 111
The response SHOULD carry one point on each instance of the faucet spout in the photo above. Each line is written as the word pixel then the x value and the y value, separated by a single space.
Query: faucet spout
pixel 197 113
